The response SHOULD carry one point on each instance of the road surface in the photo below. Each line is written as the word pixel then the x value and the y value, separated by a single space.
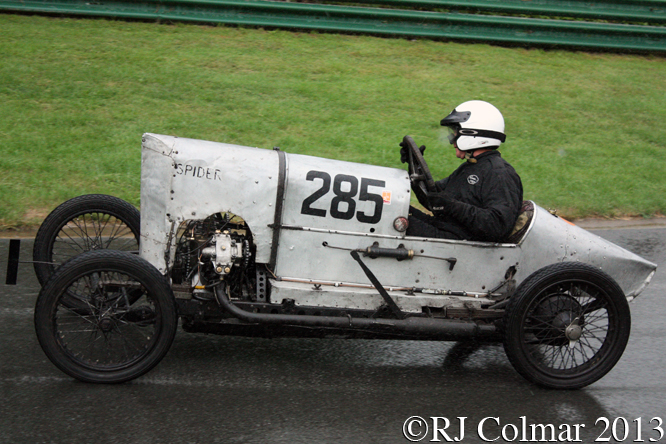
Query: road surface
pixel 213 389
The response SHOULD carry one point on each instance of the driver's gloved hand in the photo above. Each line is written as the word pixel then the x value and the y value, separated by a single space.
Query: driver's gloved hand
pixel 404 152
pixel 441 203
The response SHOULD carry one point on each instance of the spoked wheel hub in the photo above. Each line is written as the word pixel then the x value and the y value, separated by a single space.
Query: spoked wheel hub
pixel 558 319
pixel 573 333
pixel 106 325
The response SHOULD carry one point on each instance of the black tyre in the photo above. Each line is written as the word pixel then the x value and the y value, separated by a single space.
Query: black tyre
pixel 567 326
pixel 104 337
pixel 84 223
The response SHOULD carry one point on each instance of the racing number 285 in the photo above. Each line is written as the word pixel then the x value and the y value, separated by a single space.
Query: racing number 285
pixel 345 212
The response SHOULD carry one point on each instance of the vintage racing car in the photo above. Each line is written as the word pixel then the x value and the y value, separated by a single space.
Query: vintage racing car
pixel 245 241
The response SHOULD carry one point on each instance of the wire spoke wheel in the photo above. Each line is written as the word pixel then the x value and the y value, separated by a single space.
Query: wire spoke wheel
pixel 108 333
pixel 92 231
pixel 123 321
pixel 85 223
pixel 566 326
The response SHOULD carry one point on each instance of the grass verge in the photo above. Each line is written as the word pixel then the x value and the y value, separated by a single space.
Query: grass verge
pixel 585 130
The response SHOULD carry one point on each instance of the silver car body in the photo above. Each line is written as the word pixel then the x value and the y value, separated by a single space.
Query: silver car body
pixel 307 213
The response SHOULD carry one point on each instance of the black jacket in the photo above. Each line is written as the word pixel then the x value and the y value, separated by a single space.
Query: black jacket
pixel 483 199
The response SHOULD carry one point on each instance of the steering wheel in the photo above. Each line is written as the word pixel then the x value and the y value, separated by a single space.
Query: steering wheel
pixel 419 174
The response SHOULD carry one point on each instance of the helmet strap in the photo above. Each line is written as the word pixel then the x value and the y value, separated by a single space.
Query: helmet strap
pixel 469 157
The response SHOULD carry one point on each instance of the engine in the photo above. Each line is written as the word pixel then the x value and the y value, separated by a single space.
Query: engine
pixel 215 250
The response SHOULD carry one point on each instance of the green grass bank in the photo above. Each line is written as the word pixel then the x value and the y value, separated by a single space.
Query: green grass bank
pixel 585 131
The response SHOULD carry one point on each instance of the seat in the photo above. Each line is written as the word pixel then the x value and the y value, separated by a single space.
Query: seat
pixel 522 223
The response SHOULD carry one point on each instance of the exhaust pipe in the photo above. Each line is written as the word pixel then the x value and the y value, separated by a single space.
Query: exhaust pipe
pixel 444 329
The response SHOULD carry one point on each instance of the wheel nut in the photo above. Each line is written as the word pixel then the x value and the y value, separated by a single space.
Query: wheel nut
pixel 573 332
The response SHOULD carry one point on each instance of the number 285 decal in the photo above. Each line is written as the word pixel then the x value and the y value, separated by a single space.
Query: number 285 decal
pixel 348 211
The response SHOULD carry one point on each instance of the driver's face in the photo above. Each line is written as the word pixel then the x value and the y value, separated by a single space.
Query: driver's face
pixel 459 154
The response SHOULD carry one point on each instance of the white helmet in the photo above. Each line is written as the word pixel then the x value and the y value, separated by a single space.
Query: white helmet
pixel 475 124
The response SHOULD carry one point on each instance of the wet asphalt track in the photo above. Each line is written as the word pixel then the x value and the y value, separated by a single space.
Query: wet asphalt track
pixel 213 389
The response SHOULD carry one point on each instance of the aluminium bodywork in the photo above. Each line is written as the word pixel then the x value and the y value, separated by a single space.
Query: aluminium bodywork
pixel 299 210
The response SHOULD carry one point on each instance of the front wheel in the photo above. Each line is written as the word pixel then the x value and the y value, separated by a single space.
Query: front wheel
pixel 122 324
pixel 567 326
pixel 85 223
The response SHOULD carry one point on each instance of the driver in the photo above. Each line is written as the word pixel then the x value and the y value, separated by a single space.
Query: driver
pixel 482 199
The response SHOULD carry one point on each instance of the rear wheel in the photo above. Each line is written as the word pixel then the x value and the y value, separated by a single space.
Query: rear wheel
pixel 84 223
pixel 122 324
pixel 567 326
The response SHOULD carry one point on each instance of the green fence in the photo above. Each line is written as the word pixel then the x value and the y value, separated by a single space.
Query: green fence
pixel 616 25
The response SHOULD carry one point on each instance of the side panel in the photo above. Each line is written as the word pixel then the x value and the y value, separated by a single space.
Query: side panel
pixel 478 267
pixel 183 179
pixel 345 196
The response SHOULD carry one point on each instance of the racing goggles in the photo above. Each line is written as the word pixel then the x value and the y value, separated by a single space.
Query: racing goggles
pixel 452 134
